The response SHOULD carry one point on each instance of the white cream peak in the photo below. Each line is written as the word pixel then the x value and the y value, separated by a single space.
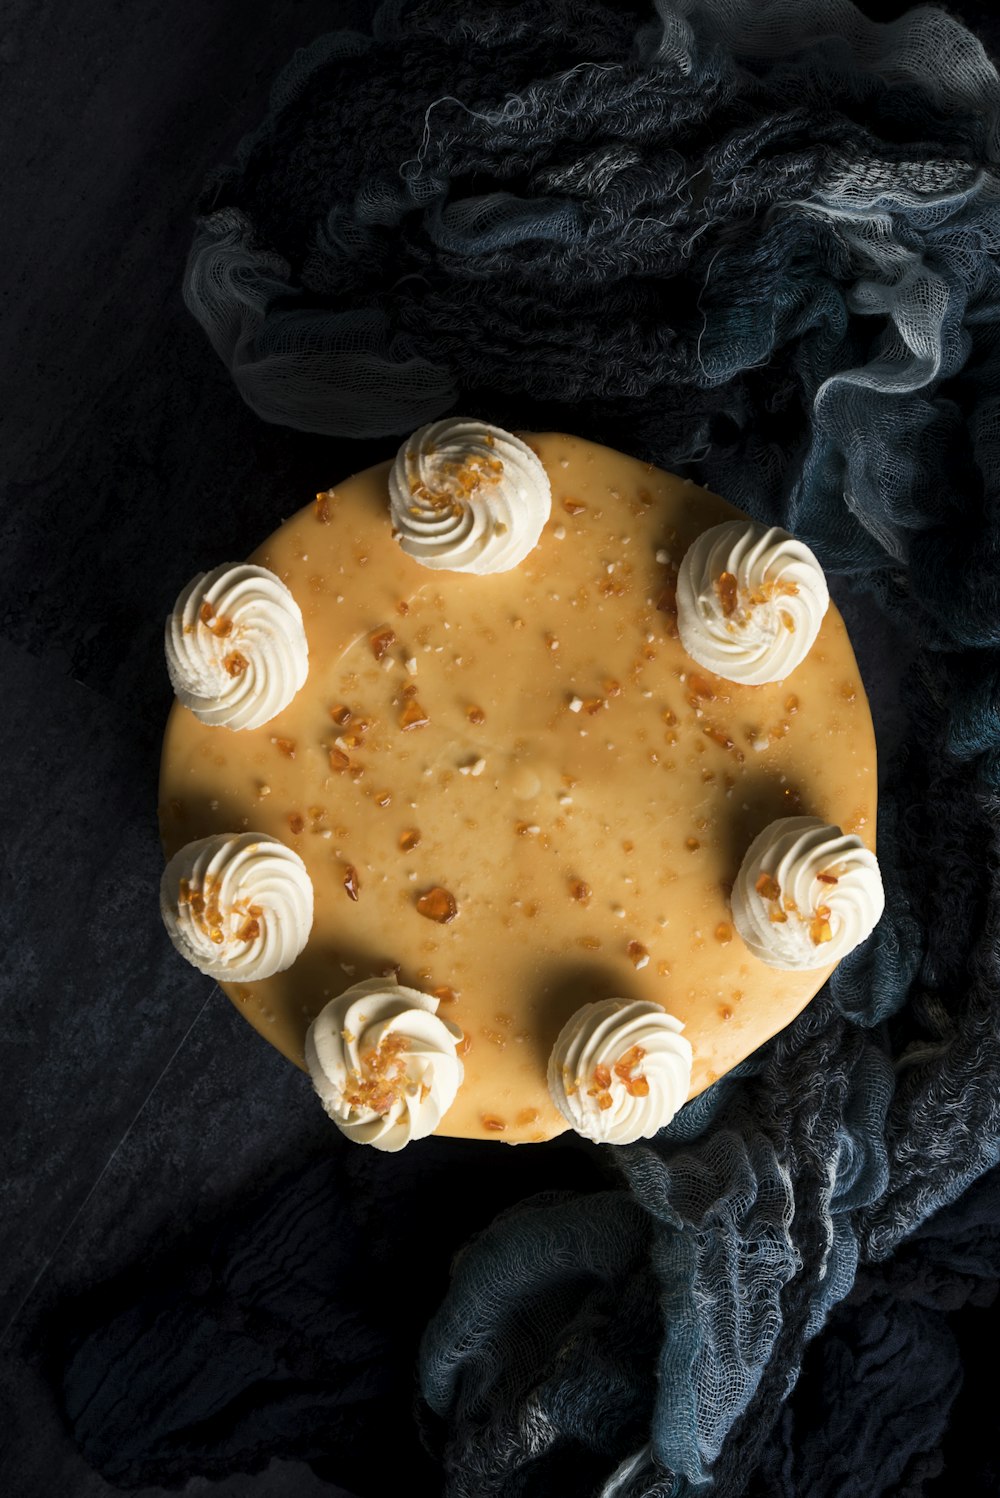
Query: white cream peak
pixel 236 646
pixel 237 906
pixel 385 1066
pixel 750 602
pixel 806 894
pixel 619 1070
pixel 468 497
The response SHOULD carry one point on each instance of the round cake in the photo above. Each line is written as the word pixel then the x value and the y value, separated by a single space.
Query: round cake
pixel 521 794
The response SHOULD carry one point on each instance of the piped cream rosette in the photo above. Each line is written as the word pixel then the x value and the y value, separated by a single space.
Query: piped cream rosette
pixel 468 497
pixel 236 646
pixel 384 1065
pixel 806 894
pixel 619 1070
pixel 750 602
pixel 237 906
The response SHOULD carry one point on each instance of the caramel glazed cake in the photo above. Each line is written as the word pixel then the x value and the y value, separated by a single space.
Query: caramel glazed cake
pixel 516 785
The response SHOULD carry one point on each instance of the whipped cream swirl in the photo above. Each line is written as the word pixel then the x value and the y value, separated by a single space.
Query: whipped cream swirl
pixel 619 1070
pixel 468 497
pixel 237 906
pixel 236 646
pixel 806 894
pixel 750 602
pixel 384 1065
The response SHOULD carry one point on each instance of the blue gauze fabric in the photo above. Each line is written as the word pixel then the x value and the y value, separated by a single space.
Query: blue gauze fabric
pixel 756 244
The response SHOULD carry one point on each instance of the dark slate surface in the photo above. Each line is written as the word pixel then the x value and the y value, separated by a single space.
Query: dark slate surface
pixel 135 1101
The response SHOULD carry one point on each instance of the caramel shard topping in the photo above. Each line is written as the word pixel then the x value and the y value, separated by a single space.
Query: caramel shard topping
pixel 458 480
pixel 788 622
pixel 383 798
pixel 600 1088
pixel 724 932
pixel 475 714
pixel 296 822
pixel 339 760
pixel 352 883
pixel 341 714
pixel 580 891
pixel 323 508
pixel 408 839
pixel 284 746
pixel 381 1082
pixel 720 736
pixel 250 929
pixel 381 640
pixel 819 927
pixel 528 1116
pixel 444 994
pixel 768 887
pixel 243 994
pixel 669 717
pixel 573 506
pixel 769 591
pixel 217 623
pixel 235 663
pixel 698 687
pixel 625 1066
pixel 437 904
pixel 791 704
pixel 591 943
pixel 638 954
pixel 728 590
pixel 464 1046
pixel 612 688
pixel 828 878
pixel 692 844
pixel 494 1124
pixel 354 736
pixel 778 916
pixel 413 716
pixel 593 705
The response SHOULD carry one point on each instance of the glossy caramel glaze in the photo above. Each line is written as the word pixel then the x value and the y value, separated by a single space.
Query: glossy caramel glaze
pixel 587 853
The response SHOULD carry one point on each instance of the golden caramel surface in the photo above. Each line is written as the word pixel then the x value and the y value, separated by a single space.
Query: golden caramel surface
pixel 518 791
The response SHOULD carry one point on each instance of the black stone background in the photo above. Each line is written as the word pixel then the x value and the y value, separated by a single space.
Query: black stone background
pixel 134 1100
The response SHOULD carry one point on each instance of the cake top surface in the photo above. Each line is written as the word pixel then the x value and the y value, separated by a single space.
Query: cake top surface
pixel 518 792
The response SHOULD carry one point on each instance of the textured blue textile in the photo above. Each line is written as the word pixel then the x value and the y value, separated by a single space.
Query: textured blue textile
pixel 756 243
